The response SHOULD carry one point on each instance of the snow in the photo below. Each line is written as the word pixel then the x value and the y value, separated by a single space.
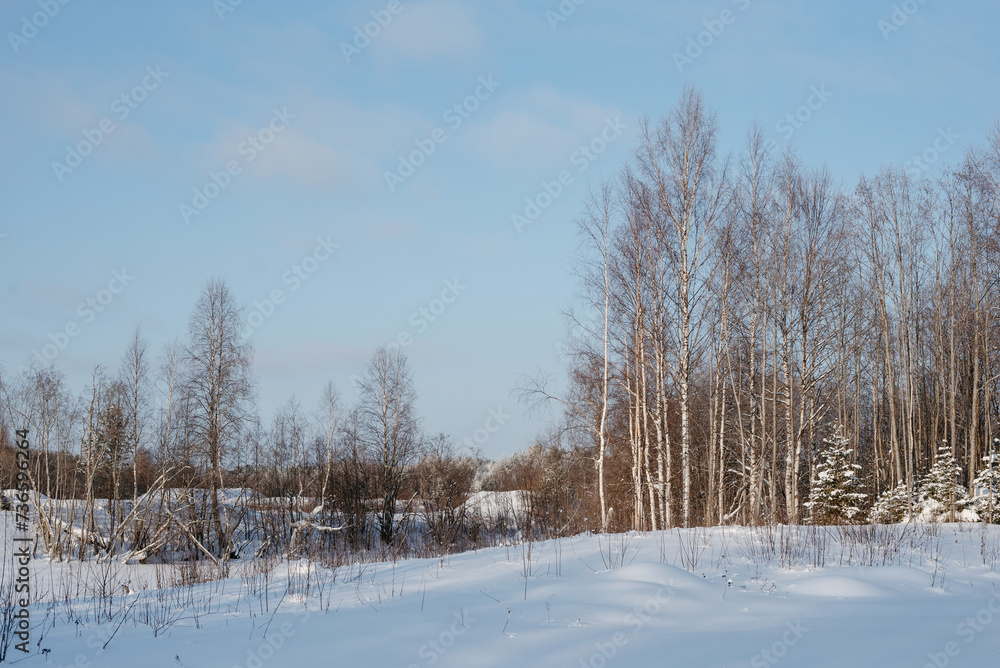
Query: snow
pixel 728 596
pixel 838 586
pixel 493 506
pixel 227 495
pixel 12 493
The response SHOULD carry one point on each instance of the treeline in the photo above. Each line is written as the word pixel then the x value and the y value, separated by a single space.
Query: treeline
pixel 167 456
pixel 738 310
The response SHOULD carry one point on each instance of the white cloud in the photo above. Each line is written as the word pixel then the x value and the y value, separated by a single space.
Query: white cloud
pixel 304 357
pixel 430 29
pixel 540 128
pixel 329 144
pixel 514 136
pixel 391 227
pixel 52 104
pixel 305 160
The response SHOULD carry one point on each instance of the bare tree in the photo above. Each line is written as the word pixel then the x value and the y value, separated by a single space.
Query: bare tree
pixel 135 378
pixel 689 195
pixel 218 386
pixel 330 419
pixel 390 429
pixel 595 230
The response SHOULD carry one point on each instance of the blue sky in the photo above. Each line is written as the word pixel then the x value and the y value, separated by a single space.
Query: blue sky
pixel 309 134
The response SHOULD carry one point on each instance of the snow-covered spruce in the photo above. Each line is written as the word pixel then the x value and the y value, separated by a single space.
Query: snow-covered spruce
pixel 937 497
pixel 893 506
pixel 940 497
pixel 835 496
pixel 987 488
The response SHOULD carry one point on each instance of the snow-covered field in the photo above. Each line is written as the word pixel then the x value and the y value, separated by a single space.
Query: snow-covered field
pixel 908 595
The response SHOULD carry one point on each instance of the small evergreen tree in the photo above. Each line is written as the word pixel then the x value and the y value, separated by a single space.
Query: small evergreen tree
pixel 940 497
pixel 987 486
pixel 835 496
pixel 892 507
